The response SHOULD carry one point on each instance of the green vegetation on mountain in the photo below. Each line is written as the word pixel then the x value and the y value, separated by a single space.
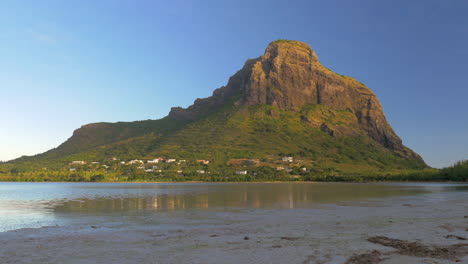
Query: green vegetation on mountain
pixel 284 103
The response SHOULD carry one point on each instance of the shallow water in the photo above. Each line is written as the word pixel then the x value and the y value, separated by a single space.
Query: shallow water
pixel 29 205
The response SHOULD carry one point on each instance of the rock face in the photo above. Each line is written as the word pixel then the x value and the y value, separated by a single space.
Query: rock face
pixel 290 76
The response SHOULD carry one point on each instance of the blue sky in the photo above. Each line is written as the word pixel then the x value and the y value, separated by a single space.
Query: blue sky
pixel 67 63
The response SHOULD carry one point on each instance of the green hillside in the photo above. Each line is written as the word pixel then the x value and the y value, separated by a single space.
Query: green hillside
pixel 284 103
pixel 261 131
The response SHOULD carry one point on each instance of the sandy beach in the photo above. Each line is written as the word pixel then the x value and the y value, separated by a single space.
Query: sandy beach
pixel 406 229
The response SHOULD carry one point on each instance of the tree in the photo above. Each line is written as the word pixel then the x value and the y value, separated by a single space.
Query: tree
pixel 97 178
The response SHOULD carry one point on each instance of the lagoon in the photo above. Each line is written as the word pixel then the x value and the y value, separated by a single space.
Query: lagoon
pixel 209 220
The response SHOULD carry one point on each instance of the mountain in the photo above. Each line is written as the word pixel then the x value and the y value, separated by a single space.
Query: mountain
pixel 281 103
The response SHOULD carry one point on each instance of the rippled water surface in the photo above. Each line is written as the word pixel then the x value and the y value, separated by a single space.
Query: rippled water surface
pixel 24 205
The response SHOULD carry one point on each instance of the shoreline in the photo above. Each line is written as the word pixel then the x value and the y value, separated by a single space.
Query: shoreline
pixel 243 182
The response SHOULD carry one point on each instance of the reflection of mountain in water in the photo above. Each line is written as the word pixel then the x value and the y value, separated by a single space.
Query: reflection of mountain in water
pixel 235 196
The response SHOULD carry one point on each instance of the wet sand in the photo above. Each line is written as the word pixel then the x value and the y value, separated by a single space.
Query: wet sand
pixel 414 229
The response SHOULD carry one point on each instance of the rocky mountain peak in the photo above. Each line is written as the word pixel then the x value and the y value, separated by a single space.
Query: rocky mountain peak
pixel 289 76
pixel 289 51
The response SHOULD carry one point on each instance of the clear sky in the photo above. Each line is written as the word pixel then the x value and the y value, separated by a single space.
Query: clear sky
pixel 67 63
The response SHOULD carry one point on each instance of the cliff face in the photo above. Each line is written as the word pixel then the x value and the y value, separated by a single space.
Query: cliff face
pixel 290 76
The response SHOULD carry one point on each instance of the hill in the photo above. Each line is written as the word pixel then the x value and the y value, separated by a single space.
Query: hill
pixel 281 103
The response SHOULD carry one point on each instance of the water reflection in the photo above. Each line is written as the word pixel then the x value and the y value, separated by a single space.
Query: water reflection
pixel 39 204
pixel 235 196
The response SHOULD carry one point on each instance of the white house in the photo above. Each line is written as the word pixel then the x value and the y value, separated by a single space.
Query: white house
pixel 201 171
pixel 170 160
pixel 241 172
pixel 157 160
pixel 79 162
pixel 149 170
pixel 287 159
pixel 135 161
